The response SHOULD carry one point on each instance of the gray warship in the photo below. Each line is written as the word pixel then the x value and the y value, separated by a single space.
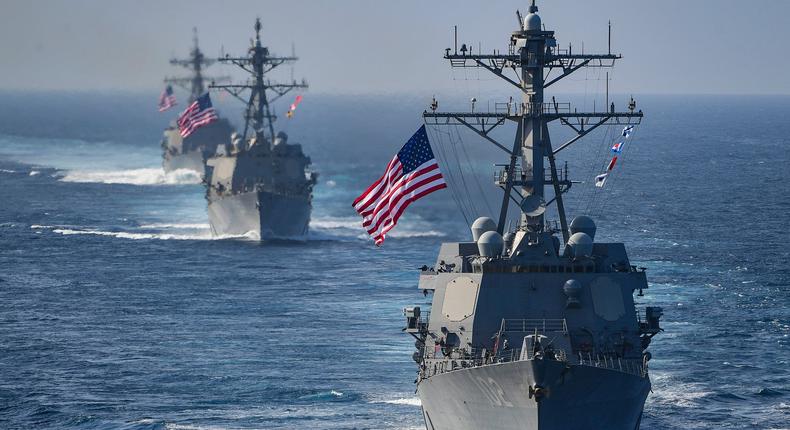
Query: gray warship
pixel 259 183
pixel 191 152
pixel 535 327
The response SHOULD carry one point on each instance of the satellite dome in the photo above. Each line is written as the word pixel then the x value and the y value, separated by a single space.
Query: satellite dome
pixel 482 225
pixel 583 224
pixel 579 245
pixel 490 244
pixel 532 22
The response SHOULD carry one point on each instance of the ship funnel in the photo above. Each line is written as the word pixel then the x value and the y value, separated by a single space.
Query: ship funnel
pixel 482 225
pixel 580 245
pixel 583 224
pixel 490 244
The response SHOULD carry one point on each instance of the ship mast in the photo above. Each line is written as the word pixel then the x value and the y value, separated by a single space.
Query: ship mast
pixel 196 62
pixel 532 57
pixel 258 63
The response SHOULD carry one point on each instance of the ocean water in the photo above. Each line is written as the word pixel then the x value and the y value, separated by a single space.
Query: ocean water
pixel 119 310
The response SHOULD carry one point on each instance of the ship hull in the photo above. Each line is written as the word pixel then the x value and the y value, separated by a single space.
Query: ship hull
pixel 498 397
pixel 191 152
pixel 261 214
pixel 191 160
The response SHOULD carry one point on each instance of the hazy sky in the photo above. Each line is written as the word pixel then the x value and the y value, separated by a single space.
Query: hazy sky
pixel 373 46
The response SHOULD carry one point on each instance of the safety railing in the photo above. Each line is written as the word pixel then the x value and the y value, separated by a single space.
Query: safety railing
pixel 532 325
pixel 633 366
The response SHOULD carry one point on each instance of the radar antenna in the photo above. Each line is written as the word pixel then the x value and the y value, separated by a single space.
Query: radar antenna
pixel 533 55
pixel 196 62
pixel 258 63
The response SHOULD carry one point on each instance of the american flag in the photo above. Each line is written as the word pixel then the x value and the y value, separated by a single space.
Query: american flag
pixel 413 173
pixel 198 114
pixel 167 99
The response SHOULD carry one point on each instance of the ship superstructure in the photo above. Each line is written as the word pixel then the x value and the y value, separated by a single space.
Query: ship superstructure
pixel 191 152
pixel 536 327
pixel 260 183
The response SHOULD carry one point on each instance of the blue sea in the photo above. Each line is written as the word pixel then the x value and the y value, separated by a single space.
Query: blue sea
pixel 119 310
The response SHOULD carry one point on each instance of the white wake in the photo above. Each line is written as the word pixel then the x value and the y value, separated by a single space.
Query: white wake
pixel 149 176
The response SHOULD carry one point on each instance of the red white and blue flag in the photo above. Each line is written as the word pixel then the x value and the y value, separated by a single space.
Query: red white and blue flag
pixel 617 147
pixel 198 114
pixel 413 173
pixel 167 99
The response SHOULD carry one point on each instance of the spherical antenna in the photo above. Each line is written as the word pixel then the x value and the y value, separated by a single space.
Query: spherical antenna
pixel 482 225
pixel 583 224
pixel 490 244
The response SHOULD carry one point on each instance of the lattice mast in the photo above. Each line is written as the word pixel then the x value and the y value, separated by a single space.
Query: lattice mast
pixel 196 63
pixel 532 56
pixel 259 115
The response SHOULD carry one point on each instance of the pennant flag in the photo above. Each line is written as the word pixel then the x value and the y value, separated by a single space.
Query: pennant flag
pixel 412 174
pixel 617 148
pixel 198 114
pixel 600 180
pixel 167 99
pixel 291 111
pixel 627 131
pixel 611 164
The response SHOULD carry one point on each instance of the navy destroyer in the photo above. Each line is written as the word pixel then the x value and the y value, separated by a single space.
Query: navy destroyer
pixel 259 183
pixel 533 327
pixel 191 152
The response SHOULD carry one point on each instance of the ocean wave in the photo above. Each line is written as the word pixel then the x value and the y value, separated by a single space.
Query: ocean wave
pixel 336 222
pixel 183 226
pixel 7 171
pixel 668 390
pixel 415 233
pixel 153 236
pixel 352 227
pixel 322 395
pixel 408 401
pixel 34 173
pixel 149 176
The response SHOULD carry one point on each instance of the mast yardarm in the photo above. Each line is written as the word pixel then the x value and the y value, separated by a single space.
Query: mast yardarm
pixel 536 63
pixel 196 62
pixel 259 115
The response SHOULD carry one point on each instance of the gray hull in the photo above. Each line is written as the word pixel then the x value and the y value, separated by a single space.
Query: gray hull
pixel 191 160
pixel 191 152
pixel 266 215
pixel 498 397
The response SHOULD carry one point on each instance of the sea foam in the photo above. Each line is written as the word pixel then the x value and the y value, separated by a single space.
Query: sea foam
pixel 148 176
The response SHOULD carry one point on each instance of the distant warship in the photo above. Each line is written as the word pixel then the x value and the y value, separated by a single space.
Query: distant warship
pixel 191 152
pixel 524 331
pixel 259 183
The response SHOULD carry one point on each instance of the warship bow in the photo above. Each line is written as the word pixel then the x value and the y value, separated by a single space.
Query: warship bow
pixel 535 327
pixel 259 183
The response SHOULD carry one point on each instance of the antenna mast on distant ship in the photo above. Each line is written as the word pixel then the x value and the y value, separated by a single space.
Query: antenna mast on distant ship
pixel 258 63
pixel 533 55
pixel 196 62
